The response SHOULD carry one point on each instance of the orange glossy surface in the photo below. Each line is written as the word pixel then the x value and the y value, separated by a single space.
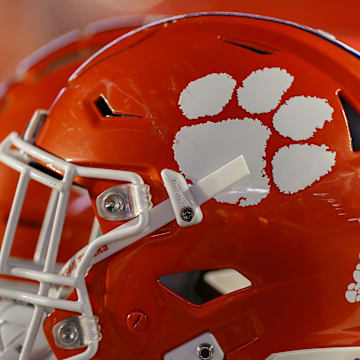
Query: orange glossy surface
pixel 297 250
pixel 353 41
pixel 35 86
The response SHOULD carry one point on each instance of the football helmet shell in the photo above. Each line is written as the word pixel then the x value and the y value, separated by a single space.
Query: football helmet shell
pixel 287 245
pixel 151 101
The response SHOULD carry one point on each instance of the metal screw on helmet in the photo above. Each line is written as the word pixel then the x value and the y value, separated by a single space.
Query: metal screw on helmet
pixel 113 203
pixel 187 214
pixel 205 351
pixel 137 321
pixel 68 333
pixel 76 332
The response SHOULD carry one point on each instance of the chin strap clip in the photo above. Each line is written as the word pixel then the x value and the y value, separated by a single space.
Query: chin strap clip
pixel 186 204
pixel 187 211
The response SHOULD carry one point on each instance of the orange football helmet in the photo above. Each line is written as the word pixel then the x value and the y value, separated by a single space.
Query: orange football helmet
pixel 253 118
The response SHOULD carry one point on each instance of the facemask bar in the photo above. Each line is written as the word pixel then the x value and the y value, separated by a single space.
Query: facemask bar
pixel 43 268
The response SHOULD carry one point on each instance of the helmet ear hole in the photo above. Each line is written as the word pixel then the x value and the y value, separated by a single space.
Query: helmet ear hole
pixel 202 286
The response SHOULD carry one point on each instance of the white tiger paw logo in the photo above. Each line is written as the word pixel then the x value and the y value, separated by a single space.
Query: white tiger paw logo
pixel 201 149
pixel 352 293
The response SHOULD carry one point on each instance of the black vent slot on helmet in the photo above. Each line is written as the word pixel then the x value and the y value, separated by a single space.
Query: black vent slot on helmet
pixel 257 48
pixel 353 120
pixel 201 286
pixel 106 110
